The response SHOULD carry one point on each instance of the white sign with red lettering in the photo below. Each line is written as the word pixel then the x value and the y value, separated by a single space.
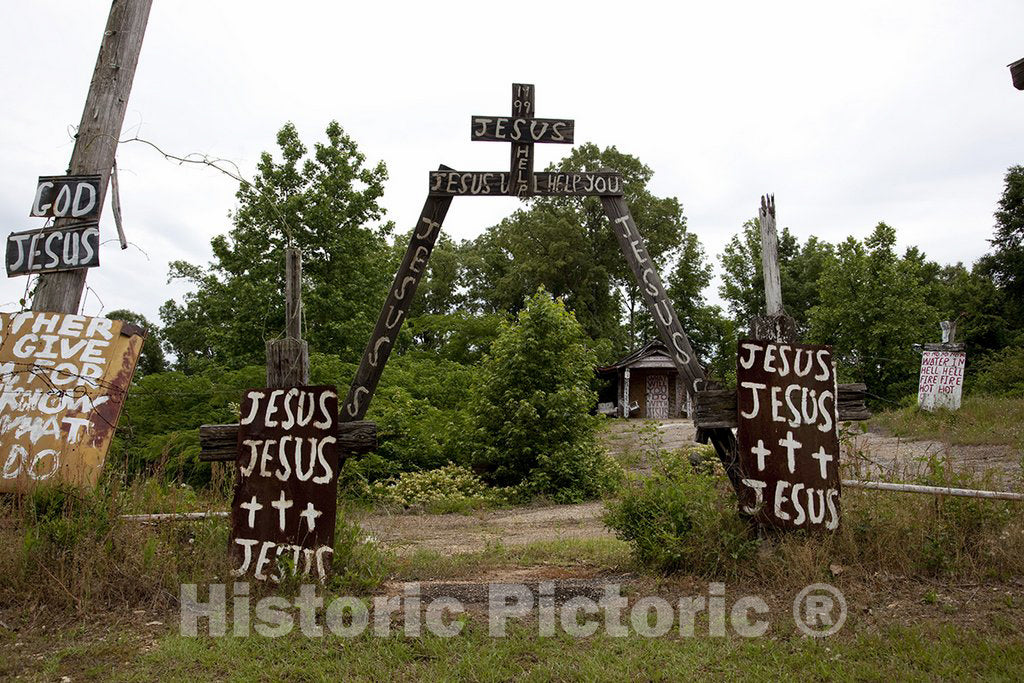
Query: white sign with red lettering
pixel 942 379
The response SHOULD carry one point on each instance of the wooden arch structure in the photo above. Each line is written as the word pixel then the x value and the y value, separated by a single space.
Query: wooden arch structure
pixel 522 129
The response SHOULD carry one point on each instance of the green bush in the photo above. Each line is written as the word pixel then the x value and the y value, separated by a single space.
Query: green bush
pixel 1000 373
pixel 679 519
pixel 448 488
pixel 532 406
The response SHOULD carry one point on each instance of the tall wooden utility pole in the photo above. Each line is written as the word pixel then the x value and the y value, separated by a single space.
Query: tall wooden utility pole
pixel 96 141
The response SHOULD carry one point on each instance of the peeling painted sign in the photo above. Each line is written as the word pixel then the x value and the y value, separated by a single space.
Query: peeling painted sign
pixel 68 196
pixel 942 379
pixel 63 382
pixel 53 249
pixel 285 500
pixel 788 434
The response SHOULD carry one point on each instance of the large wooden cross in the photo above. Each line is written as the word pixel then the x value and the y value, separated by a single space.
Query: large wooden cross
pixel 523 130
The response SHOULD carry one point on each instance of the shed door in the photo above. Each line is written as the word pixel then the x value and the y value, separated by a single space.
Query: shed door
pixel 657 397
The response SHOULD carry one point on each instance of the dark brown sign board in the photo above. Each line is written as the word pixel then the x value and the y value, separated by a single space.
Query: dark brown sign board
pixel 788 434
pixel 498 183
pixel 516 129
pixel 53 249
pixel 285 501
pixel 69 196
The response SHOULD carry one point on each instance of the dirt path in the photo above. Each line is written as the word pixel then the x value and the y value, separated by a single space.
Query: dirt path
pixel 865 455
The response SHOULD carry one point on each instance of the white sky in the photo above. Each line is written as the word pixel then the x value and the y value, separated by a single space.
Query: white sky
pixel 851 113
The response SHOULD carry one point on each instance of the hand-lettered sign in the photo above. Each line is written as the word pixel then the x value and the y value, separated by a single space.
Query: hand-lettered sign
pixel 942 379
pixel 285 497
pixel 53 249
pixel 72 196
pixel 787 433
pixel 63 382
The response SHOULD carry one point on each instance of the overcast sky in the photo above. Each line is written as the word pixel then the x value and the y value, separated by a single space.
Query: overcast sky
pixel 851 113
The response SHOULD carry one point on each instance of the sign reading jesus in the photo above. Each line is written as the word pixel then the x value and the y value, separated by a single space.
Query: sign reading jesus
pixel 788 434
pixel 284 507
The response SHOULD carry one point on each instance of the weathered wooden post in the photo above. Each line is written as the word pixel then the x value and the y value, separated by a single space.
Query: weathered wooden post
pixel 288 358
pixel 942 371
pixel 98 132
pixel 775 325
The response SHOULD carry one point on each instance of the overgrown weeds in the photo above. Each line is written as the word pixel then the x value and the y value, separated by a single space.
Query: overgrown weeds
pixel 69 550
pixel 684 520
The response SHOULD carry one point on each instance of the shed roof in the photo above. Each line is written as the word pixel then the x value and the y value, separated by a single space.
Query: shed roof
pixel 652 350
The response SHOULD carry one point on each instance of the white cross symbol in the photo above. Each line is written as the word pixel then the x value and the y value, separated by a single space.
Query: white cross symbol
pixel 823 459
pixel 310 514
pixel 761 452
pixel 281 504
pixel 790 444
pixel 253 507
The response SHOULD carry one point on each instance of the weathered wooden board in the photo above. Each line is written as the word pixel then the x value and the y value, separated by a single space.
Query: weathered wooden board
pixel 219 443
pixel 522 129
pixel 942 379
pixel 633 247
pixel 63 382
pixel 70 196
pixel 788 434
pixel 53 249
pixel 523 105
pixel 499 183
pixel 285 502
pixel 392 315
pixel 717 407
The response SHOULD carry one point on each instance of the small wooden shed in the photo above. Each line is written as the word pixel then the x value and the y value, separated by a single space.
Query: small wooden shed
pixel 646 382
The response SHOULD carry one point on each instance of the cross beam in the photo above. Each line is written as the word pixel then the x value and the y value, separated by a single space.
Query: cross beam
pixel 523 130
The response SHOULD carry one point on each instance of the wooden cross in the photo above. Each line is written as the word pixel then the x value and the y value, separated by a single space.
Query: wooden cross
pixel 523 130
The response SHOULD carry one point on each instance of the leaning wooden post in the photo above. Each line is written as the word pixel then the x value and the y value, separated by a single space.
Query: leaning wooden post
pixel 288 358
pixel 634 248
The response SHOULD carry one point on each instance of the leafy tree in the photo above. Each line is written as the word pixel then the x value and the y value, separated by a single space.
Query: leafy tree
pixel 566 245
pixel 1006 262
pixel 873 308
pixel 152 359
pixel 320 203
pixel 532 405
pixel 799 269
pixel 710 334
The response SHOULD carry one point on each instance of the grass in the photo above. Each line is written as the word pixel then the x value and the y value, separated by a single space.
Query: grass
pixel 897 653
pixel 981 420
pixel 592 553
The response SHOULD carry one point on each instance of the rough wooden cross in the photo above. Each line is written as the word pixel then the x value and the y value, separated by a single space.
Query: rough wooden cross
pixel 523 130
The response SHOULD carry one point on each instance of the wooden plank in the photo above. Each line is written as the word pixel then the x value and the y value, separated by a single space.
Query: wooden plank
pixel 633 247
pixel 717 408
pixel 69 196
pixel 285 500
pixel 788 436
pixel 219 443
pixel 53 249
pixel 63 381
pixel 98 132
pixel 523 105
pixel 497 183
pixel 392 315
pixel 522 129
